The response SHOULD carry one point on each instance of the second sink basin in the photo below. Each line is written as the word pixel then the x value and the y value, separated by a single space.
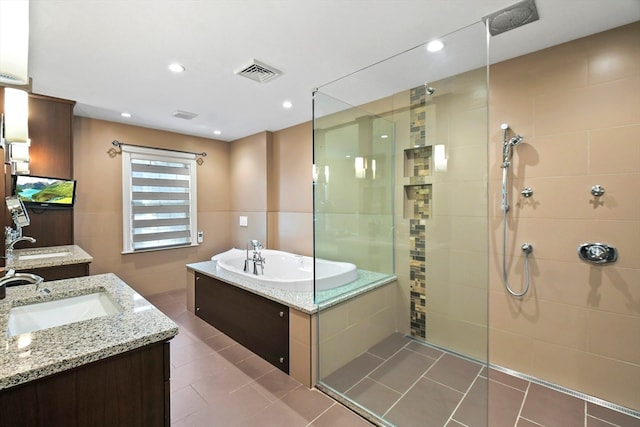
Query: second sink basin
pixel 44 315
pixel 43 255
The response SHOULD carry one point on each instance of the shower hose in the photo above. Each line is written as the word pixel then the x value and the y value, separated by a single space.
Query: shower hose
pixel 526 248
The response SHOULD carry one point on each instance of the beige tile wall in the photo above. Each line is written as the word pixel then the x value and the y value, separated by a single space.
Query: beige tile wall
pixel 578 107
pixel 347 330
pixel 98 212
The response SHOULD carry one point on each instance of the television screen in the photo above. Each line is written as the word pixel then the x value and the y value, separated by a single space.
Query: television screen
pixel 45 192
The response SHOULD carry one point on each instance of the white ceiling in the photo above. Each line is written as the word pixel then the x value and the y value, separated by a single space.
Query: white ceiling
pixel 112 55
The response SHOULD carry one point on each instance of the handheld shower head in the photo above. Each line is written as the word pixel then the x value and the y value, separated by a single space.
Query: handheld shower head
pixel 506 149
pixel 515 140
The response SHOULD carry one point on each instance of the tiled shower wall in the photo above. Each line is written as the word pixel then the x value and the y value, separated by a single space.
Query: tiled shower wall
pixel 578 107
pixel 444 212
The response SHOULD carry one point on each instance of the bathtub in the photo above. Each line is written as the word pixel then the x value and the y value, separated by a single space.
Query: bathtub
pixel 286 271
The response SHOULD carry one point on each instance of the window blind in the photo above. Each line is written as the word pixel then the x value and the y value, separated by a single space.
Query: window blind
pixel 160 208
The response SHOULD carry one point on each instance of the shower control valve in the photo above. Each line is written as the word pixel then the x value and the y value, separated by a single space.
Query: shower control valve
pixel 597 253
pixel 597 190
pixel 527 192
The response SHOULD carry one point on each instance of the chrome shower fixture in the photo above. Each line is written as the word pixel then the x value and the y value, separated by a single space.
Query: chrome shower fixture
pixel 507 143
pixel 527 248
pixel 428 89
pixel 511 17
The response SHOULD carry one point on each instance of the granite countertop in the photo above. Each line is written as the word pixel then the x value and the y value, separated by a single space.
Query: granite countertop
pixel 49 256
pixel 34 355
pixel 305 302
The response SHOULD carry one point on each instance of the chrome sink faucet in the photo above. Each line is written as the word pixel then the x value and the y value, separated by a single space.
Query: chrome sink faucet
pixel 11 237
pixel 256 257
pixel 11 276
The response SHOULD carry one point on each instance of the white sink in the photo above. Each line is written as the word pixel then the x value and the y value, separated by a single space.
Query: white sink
pixel 44 255
pixel 44 315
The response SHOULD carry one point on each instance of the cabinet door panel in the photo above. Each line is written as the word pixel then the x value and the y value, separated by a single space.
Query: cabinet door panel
pixel 256 322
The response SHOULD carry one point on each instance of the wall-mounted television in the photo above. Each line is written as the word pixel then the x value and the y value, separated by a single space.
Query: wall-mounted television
pixel 45 191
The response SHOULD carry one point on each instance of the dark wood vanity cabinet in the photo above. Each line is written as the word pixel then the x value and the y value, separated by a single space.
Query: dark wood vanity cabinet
pixel 256 322
pixel 128 389
pixel 60 272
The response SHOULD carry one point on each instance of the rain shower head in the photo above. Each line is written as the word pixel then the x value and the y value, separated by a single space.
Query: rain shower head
pixel 511 17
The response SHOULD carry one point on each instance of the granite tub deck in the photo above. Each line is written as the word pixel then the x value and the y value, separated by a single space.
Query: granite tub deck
pixel 37 354
pixel 299 300
pixel 32 258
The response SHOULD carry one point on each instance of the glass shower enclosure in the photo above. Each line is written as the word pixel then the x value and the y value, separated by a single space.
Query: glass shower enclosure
pixel 400 191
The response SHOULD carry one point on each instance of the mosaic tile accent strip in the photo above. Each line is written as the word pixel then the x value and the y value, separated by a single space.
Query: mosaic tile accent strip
pixel 418 164
pixel 417 130
pixel 417 275
pixel 420 198
pixel 420 195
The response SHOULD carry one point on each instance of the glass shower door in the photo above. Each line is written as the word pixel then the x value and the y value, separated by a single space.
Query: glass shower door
pixel 411 350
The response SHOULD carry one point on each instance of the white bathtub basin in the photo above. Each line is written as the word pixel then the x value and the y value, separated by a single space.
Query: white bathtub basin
pixel 44 315
pixel 43 255
pixel 287 271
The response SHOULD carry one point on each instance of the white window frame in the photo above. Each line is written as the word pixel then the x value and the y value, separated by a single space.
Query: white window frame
pixel 135 152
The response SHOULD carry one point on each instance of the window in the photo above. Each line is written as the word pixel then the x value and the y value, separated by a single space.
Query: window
pixel 159 209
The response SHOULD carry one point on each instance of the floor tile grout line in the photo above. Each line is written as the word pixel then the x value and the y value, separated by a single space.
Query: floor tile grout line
pixel 464 395
pixel 524 399
pixel 528 420
pixel 609 423
pixel 414 384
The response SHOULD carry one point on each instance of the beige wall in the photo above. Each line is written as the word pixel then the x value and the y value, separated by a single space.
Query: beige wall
pixel 290 202
pixel 578 107
pixel 98 212
pixel 248 168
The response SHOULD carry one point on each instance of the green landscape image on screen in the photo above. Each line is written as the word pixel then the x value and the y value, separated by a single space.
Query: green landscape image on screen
pixel 46 191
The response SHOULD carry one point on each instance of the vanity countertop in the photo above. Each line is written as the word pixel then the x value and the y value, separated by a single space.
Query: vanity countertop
pixel 34 355
pixel 49 256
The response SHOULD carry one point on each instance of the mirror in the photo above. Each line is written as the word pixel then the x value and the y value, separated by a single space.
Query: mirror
pixel 18 211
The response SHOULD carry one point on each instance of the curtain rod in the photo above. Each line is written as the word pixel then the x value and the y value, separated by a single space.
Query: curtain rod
pixel 119 144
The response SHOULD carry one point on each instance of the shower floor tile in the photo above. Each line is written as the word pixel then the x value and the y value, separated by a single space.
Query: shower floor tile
pixel 451 391
pixel 217 382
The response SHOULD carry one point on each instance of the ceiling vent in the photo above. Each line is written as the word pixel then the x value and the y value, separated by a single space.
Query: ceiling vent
pixel 258 71
pixel 184 115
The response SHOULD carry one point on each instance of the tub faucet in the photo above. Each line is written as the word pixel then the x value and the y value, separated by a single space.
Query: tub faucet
pixel 256 257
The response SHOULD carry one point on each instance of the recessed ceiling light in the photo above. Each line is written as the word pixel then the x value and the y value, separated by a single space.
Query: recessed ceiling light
pixel 127 115
pixel 435 45
pixel 384 136
pixel 287 104
pixel 176 68
pixel 217 132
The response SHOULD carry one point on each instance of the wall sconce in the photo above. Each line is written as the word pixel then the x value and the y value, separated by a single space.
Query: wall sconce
pixel 16 115
pixel 361 167
pixel 14 137
pixel 19 158
pixel 326 174
pixel 439 158
pixel 14 42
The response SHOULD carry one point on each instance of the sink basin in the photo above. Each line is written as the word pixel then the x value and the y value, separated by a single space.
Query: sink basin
pixel 44 315
pixel 44 255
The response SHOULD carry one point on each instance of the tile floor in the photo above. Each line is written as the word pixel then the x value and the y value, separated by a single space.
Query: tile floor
pixel 410 384
pixel 217 382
